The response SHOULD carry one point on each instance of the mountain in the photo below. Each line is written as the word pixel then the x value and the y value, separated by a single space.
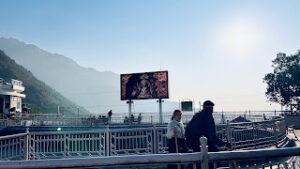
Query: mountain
pixel 39 95
pixel 97 91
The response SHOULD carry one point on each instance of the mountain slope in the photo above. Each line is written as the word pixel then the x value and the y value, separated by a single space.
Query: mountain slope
pixel 40 96
pixel 97 91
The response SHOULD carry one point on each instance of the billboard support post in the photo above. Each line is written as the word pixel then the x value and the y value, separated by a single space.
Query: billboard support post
pixel 129 102
pixel 160 110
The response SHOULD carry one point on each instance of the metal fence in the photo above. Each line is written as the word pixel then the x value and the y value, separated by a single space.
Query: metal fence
pixel 233 160
pixel 46 145
pixel 14 147
pixel 146 118
pixel 120 142
pixel 107 142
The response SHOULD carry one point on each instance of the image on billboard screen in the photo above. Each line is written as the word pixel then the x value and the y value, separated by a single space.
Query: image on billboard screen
pixel 148 85
pixel 186 106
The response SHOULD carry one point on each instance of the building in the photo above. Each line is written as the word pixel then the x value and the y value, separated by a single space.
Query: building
pixel 11 98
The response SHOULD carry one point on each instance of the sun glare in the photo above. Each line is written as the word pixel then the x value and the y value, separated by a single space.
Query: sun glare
pixel 239 38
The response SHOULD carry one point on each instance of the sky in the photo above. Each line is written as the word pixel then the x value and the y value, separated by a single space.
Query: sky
pixel 217 50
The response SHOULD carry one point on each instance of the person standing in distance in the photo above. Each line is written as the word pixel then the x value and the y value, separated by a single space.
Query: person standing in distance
pixel 203 125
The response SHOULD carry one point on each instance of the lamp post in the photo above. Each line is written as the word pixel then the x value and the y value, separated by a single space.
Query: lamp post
pixel 77 116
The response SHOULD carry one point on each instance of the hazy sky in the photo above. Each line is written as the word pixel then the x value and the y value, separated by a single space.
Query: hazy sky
pixel 218 50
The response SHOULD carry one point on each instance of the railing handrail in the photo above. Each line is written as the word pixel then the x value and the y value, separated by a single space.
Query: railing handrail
pixel 150 159
pixel 249 154
pixel 95 131
pixel 148 117
pixel 13 136
pixel 258 122
pixel 104 161
pixel 141 128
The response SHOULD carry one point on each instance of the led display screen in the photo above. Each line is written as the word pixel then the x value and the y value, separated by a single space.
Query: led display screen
pixel 148 85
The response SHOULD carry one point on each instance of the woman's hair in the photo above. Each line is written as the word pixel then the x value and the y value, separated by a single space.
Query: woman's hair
pixel 174 113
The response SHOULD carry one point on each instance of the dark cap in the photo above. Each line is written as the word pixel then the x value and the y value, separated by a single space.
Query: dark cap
pixel 208 103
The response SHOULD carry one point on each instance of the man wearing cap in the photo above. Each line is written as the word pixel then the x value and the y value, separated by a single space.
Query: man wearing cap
pixel 203 124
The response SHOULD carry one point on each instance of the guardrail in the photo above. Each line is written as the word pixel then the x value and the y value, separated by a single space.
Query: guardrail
pixel 231 159
pixel 120 142
pixel 107 142
pixel 146 118
pixel 14 147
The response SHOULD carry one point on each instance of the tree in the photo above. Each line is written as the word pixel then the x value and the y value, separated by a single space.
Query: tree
pixel 283 85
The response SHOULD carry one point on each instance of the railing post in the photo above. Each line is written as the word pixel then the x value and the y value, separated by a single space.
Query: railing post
pixel 204 151
pixel 228 132
pixel 294 162
pixel 154 141
pixel 66 149
pixel 26 144
pixel 107 141
pixel 254 135
pixel 275 133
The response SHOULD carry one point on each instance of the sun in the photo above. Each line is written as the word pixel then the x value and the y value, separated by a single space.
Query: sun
pixel 240 37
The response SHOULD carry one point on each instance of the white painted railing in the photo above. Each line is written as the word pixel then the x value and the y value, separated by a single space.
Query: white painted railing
pixel 233 160
pixel 256 134
pixel 107 142
pixel 147 118
pixel 14 147
pixel 120 142
pixel 45 145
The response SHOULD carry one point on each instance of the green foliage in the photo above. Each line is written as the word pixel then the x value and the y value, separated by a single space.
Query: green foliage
pixel 283 85
pixel 40 96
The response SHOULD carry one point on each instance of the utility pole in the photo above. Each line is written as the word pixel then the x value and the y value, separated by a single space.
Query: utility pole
pixel 77 116
pixel 58 110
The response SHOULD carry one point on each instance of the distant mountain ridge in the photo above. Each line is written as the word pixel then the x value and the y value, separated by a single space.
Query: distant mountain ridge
pixel 97 91
pixel 39 95
pixel 85 86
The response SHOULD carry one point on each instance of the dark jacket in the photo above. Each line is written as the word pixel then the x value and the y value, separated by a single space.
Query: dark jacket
pixel 202 124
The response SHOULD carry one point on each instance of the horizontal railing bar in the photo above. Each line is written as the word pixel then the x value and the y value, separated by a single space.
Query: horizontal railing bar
pixel 93 131
pixel 13 136
pixel 104 161
pixel 256 122
pixel 138 129
pixel 239 155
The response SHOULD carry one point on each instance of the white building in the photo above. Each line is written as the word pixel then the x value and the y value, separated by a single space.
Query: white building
pixel 11 97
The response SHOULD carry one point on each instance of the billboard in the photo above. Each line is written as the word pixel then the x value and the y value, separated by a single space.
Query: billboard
pixel 148 85
pixel 186 106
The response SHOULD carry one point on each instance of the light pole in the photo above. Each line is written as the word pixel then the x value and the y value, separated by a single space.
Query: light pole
pixel 77 116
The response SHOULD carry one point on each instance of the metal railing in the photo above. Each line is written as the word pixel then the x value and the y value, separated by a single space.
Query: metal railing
pixel 14 147
pixel 120 142
pixel 107 142
pixel 204 158
pixel 46 145
pixel 146 118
